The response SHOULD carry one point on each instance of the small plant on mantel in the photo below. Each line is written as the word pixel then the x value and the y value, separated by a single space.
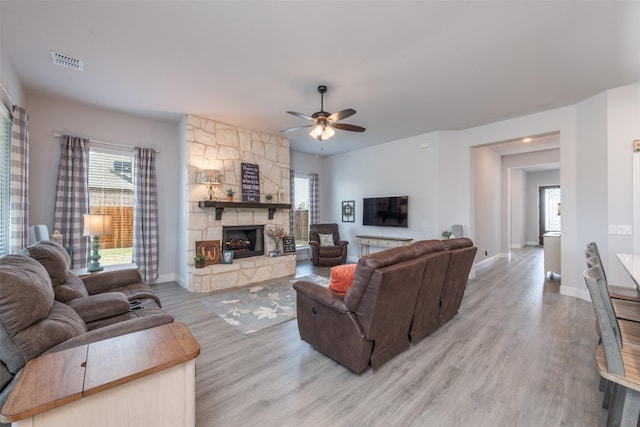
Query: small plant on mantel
pixel 230 194
pixel 199 260
pixel 269 197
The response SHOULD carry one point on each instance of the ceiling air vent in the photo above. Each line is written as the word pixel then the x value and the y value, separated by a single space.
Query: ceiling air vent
pixel 67 61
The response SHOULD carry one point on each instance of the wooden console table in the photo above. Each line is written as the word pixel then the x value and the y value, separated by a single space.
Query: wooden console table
pixel 142 378
pixel 380 241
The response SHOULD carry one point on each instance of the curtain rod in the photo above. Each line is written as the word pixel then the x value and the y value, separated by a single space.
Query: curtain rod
pixel 107 143
pixel 8 96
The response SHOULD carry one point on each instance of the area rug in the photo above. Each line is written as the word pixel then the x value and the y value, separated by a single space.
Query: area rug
pixel 253 309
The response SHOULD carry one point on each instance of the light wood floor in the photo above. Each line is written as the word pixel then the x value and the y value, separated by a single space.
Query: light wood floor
pixel 517 354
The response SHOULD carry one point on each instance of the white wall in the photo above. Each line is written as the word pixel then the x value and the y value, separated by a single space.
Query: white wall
pixel 510 163
pixel 623 127
pixel 394 169
pixel 11 84
pixel 48 115
pixel 534 181
pixel 486 168
pixel 310 163
pixel 517 207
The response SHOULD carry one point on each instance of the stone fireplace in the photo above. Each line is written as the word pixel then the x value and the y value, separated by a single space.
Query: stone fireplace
pixel 223 147
pixel 244 240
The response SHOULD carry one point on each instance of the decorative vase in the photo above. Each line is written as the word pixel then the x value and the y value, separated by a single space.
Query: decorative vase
pixel 200 264
pixel 229 198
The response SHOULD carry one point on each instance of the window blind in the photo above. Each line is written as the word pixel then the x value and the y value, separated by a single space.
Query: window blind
pixel 111 192
pixel 5 180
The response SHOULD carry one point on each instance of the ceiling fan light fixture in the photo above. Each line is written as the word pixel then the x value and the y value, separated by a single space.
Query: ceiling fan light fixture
pixel 325 133
pixel 324 122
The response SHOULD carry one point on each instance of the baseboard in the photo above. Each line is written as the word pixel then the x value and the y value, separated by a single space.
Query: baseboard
pixel 165 278
pixel 504 255
pixel 575 292
pixel 531 243
pixel 518 245
pixel 484 261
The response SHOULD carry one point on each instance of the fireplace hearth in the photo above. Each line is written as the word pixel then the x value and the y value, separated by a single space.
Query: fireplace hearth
pixel 244 240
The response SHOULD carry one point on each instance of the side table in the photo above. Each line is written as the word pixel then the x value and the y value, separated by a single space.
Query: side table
pixel 82 272
pixel 142 378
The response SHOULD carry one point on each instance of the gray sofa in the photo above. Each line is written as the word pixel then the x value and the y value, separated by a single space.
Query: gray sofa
pixel 45 308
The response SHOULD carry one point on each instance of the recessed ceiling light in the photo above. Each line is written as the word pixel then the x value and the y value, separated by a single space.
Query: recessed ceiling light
pixel 526 140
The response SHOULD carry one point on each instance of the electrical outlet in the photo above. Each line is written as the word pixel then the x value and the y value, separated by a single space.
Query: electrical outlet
pixel 613 229
pixel 486 253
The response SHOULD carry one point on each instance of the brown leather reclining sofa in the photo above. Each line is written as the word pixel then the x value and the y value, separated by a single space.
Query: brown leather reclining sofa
pixel 397 295
pixel 46 308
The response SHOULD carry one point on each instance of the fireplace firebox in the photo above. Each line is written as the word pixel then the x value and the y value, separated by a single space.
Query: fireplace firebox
pixel 244 240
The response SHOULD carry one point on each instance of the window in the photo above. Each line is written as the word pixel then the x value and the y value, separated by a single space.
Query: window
pixel 111 192
pixel 5 180
pixel 301 200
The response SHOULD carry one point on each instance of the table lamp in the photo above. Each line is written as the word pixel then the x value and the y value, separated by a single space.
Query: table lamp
pixel 96 225
pixel 210 177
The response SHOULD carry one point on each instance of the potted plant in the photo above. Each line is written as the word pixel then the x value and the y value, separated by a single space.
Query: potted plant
pixel 446 234
pixel 199 260
pixel 230 194
pixel 269 197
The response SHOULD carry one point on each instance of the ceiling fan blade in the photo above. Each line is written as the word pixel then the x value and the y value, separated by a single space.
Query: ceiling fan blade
pixel 341 115
pixel 344 126
pixel 297 127
pixel 302 116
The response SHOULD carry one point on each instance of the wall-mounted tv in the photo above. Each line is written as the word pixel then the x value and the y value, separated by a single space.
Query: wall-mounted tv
pixel 385 211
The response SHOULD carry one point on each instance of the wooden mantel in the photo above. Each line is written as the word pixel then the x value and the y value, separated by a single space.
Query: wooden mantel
pixel 219 206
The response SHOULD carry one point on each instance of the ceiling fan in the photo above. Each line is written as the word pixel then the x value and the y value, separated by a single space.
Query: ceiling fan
pixel 323 122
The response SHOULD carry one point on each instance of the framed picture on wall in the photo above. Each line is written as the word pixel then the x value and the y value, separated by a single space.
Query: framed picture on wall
pixel 349 211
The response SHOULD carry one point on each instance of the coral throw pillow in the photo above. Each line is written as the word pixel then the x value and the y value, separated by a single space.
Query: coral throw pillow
pixel 326 240
pixel 341 278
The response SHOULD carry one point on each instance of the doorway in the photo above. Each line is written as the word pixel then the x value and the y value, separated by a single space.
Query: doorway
pixel 550 210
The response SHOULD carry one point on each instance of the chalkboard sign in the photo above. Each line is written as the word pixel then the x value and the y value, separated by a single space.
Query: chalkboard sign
pixel 289 245
pixel 250 183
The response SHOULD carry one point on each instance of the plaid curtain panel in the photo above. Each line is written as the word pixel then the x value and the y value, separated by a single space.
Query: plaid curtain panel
pixel 292 200
pixel 314 198
pixel 19 211
pixel 72 196
pixel 145 214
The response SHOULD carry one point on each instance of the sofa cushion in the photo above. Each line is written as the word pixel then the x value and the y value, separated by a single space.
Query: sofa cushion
pixel 71 289
pixel 61 324
pixel 30 320
pixel 326 240
pixel 341 278
pixel 26 295
pixel 53 257
pixel 100 306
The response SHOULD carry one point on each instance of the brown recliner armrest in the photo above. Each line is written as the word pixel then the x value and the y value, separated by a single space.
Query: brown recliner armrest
pixel 342 243
pixel 322 295
pixel 107 280
pixel 100 306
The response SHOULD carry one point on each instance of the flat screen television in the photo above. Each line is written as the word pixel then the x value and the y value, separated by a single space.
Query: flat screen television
pixel 385 211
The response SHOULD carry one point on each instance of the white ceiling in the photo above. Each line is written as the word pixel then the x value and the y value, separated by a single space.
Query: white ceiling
pixel 407 67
